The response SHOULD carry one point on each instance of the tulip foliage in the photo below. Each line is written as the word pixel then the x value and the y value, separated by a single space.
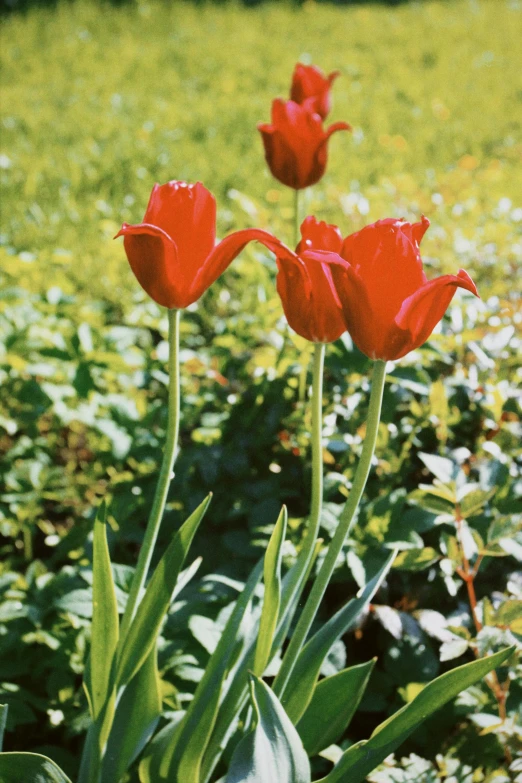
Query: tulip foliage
pixel 261 711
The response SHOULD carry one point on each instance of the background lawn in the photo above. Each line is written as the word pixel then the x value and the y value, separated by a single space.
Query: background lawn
pixel 100 102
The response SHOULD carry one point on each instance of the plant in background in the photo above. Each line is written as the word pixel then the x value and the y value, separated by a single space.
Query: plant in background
pixel 295 141
pixel 236 727
pixel 311 88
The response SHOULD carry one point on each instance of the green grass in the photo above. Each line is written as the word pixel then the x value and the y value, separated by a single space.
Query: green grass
pixel 100 102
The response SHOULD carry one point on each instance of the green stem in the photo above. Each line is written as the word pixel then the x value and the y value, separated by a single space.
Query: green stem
pixel 162 488
pixel 317 448
pixel 343 528
pixel 297 233
pixel 307 553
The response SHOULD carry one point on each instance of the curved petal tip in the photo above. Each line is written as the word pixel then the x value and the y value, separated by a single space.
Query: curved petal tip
pixel 466 282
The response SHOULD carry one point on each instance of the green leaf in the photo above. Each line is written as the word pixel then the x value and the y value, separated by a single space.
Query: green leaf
pixel 30 768
pixel 272 596
pixel 301 685
pixel 105 627
pixel 429 499
pixel 273 750
pixel 474 502
pixel 453 648
pixel 3 721
pixel 149 769
pixel 509 612
pixel 183 758
pixel 416 559
pixel 235 690
pixel 333 705
pixel 137 715
pixel 441 467
pixel 156 601
pixel 364 756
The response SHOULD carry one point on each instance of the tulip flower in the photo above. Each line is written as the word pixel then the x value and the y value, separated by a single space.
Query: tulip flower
pixel 311 88
pixel 304 282
pixel 296 143
pixel 389 307
pixel 173 252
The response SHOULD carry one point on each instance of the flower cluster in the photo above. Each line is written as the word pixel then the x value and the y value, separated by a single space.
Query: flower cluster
pixel 371 283
pixel 296 142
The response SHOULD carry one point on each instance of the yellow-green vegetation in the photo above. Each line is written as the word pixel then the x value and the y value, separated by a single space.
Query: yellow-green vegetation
pixel 98 103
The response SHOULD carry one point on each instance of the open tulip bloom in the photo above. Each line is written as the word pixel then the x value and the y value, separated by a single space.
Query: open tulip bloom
pixel 371 284
pixel 296 143
pixel 305 285
pixel 311 88
pixel 172 251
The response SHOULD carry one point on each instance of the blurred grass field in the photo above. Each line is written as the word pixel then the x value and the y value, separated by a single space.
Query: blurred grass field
pixel 99 102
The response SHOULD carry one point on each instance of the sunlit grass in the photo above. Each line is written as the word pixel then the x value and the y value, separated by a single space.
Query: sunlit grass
pixel 100 102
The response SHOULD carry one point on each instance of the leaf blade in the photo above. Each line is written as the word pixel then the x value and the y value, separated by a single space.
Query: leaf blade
pixel 332 707
pixel 31 768
pixel 306 671
pixel 363 757
pixel 136 717
pixel 156 601
pixel 272 597
pixel 105 622
pixel 273 750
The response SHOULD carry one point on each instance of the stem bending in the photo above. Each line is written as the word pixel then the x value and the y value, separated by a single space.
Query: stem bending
pixel 345 524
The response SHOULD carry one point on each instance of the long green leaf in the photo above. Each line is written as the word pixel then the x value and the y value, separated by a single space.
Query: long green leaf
pixel 137 715
pixel 156 601
pixel 150 764
pixel 332 707
pixel 3 721
pixel 360 759
pixel 30 768
pixel 273 750
pixel 272 596
pixel 236 687
pixel 105 627
pixel 183 761
pixel 306 671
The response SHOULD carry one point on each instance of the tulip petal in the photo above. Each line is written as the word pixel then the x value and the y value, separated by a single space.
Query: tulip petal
pixel 365 328
pixel 422 311
pixel 318 235
pixel 337 126
pixel 386 256
pixel 187 213
pixel 153 258
pixel 326 322
pixel 280 157
pixel 309 300
pixel 225 252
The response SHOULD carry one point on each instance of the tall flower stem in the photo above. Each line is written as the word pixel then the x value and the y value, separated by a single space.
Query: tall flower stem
pixel 343 528
pixel 162 488
pixel 317 447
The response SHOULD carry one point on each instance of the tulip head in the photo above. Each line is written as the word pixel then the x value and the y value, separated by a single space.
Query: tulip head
pixel 296 144
pixel 311 87
pixel 388 305
pixel 173 252
pixel 304 282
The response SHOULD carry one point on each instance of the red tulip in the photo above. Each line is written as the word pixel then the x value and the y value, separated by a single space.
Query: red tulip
pixel 173 252
pixel 296 144
pixel 389 307
pixel 304 282
pixel 311 88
